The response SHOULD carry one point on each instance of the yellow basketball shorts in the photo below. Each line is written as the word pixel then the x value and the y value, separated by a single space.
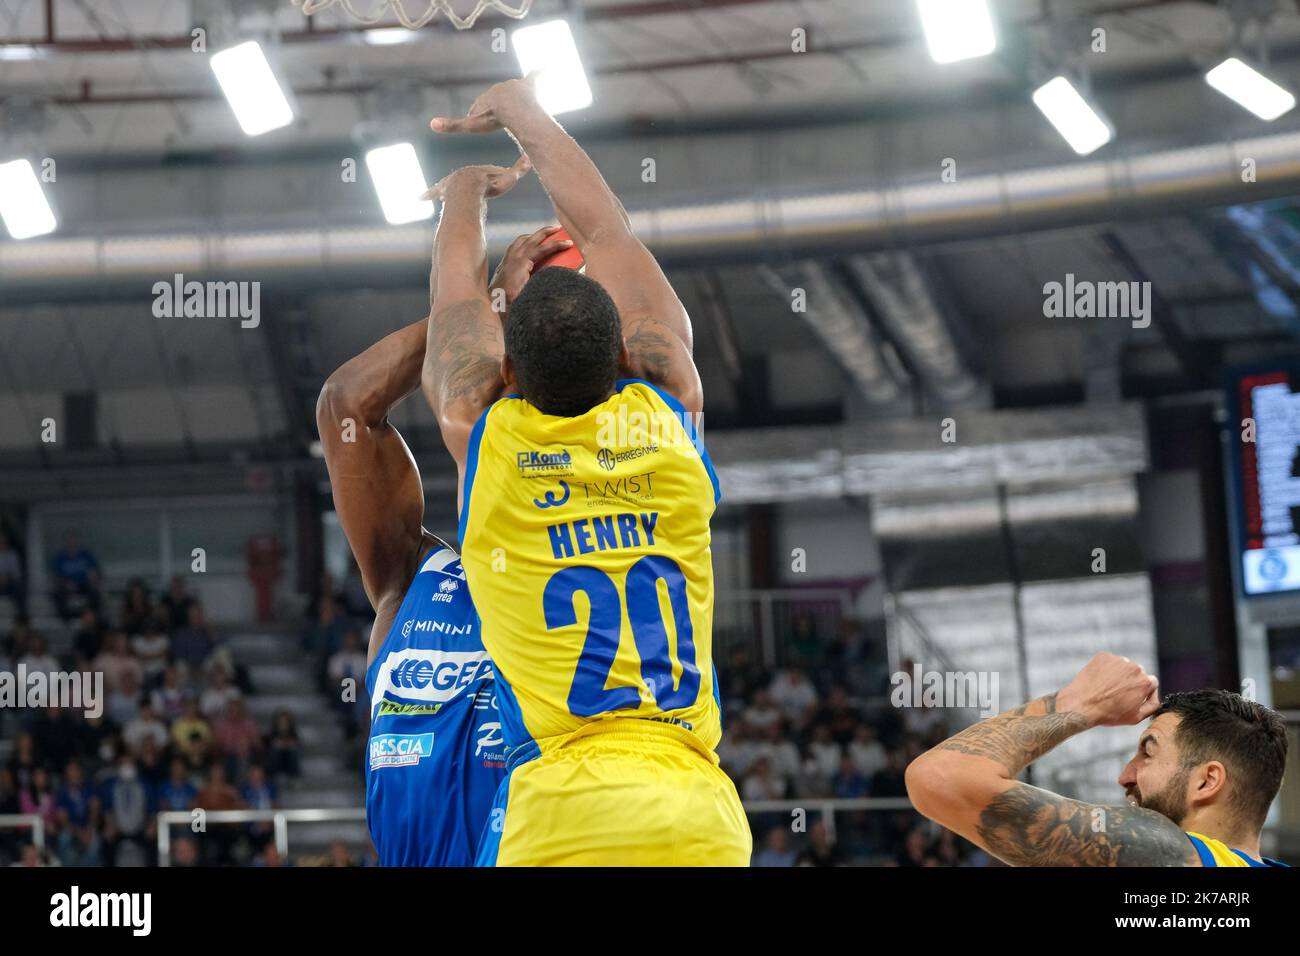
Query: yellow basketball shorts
pixel 619 792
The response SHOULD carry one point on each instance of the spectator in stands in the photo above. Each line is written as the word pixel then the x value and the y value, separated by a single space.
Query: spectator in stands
pixel 8 792
pixel 170 696
pixel 323 635
pixel 137 609
pixel 780 752
pixel 118 664
pixel 220 692
pixel 762 713
pixel 185 852
pixel 192 643
pixel 821 851
pixel 74 578
pixel 914 849
pixel 848 783
pixel 801 643
pixel 177 603
pixel 126 815
pixel 867 752
pixel 795 695
pixel 10 839
pixel 888 781
pixel 776 849
pixel 258 793
pixel 151 647
pixel 270 857
pixel 177 792
pixel 38 657
pixel 124 701
pixel 145 725
pixel 738 749
pixel 236 737
pixel 217 793
pixel 823 755
pixel 340 855
pixel 352 595
pixel 23 761
pixel 88 639
pixel 76 802
pixel 191 733
pixel 761 783
pixel 54 733
pixel 840 713
pixel 152 764
pixel 37 798
pixel 283 746
pixel 13 583
pixel 349 664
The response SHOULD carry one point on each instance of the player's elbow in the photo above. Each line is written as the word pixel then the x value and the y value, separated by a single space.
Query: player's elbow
pixel 928 779
pixel 338 401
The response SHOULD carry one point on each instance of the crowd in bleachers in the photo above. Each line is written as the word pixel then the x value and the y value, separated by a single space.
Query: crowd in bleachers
pixel 174 732
pixel 821 727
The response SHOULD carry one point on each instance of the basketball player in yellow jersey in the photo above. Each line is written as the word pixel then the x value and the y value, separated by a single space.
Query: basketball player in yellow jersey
pixel 1206 770
pixel 584 524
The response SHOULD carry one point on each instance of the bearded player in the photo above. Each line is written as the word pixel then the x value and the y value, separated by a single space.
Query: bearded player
pixel 1199 787
pixel 585 505
pixel 435 757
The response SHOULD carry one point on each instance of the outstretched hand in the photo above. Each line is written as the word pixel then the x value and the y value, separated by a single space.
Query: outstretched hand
pixel 490 112
pixel 489 181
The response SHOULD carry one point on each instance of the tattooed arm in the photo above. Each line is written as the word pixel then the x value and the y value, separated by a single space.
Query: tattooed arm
pixel 968 784
pixel 462 359
pixel 656 327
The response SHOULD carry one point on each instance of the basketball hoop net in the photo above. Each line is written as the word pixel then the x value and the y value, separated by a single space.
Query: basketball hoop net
pixel 518 10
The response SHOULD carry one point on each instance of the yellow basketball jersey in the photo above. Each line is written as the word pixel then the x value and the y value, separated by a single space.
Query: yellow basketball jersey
pixel 1217 853
pixel 585 542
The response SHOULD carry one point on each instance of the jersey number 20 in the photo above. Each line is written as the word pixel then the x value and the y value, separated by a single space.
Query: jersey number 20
pixel 588 696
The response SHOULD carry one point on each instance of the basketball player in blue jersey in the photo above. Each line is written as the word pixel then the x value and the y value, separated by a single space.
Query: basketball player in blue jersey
pixel 586 498
pixel 1206 770
pixel 435 756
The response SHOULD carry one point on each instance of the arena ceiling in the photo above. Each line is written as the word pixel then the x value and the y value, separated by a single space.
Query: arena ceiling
pixel 148 151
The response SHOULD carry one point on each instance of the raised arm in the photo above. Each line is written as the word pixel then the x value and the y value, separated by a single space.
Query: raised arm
pixel 656 326
pixel 968 784
pixel 377 491
pixel 462 360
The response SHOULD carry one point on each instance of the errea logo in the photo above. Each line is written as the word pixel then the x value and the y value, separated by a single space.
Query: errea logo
pixel 449 585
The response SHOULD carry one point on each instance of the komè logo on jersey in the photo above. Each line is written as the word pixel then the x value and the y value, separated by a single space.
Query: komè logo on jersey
pixel 399 750
pixel 544 464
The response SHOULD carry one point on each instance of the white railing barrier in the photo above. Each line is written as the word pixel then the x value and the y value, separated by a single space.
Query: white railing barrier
pixel 24 821
pixel 280 820
pixel 828 807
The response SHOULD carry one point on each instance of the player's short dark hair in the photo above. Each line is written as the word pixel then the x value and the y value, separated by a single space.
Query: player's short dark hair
pixel 1246 737
pixel 563 336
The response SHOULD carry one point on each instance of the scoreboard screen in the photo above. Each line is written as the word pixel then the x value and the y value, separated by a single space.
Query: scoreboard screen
pixel 1267 473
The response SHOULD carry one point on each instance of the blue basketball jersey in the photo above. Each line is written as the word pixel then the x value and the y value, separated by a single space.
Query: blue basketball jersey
pixel 436 754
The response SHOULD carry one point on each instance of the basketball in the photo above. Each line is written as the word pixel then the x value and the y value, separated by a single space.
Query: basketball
pixel 570 258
